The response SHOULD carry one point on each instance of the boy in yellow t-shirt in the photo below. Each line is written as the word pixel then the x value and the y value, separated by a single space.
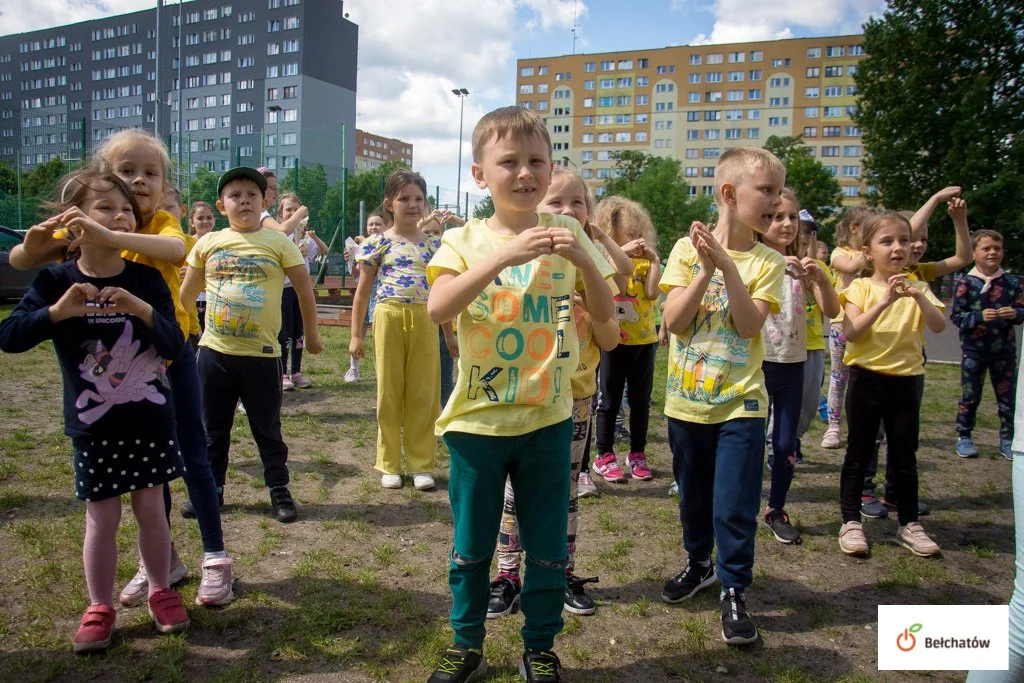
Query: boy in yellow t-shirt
pixel 509 280
pixel 243 271
pixel 721 286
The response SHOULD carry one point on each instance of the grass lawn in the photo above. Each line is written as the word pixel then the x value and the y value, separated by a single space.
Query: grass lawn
pixel 357 589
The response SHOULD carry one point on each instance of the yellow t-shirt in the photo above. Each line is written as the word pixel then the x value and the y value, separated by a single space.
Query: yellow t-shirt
pixel 517 341
pixel 194 328
pixel 584 380
pixel 815 316
pixel 842 279
pixel 244 280
pixel 925 272
pixel 714 375
pixel 893 344
pixel 634 309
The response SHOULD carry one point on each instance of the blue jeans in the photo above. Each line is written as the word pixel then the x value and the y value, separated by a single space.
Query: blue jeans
pixel 718 468
pixel 202 491
pixel 784 382
pixel 1016 671
pixel 447 368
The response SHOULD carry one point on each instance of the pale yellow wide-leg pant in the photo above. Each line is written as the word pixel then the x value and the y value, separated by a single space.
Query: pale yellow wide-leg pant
pixel 408 386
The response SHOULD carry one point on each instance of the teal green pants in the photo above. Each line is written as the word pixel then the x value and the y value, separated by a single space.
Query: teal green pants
pixel 538 465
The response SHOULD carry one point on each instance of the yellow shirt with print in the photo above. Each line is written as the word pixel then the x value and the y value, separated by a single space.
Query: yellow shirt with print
pixel 714 375
pixel 244 280
pixel 894 342
pixel 842 280
pixel 584 380
pixel 634 309
pixel 194 328
pixel 518 348
pixel 815 316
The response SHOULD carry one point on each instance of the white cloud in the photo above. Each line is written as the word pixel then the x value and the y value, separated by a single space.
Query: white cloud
pixel 747 20
pixel 18 18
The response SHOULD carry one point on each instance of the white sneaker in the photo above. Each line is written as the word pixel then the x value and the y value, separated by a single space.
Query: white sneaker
pixel 391 481
pixel 241 408
pixel 351 375
pixel 286 383
pixel 423 481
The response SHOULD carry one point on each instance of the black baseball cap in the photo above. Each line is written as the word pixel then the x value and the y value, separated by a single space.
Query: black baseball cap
pixel 242 172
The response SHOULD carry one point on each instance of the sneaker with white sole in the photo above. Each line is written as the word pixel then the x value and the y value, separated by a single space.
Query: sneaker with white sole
pixel 831 438
pixel 217 585
pixel 608 467
pixel 585 487
pixel 423 481
pixel 391 481
pixel 301 381
pixel 913 538
pixel 687 583
pixel 286 383
pixel 637 464
pixel 852 540
pixel 737 626
pixel 965 447
pixel 351 376
pixel 137 590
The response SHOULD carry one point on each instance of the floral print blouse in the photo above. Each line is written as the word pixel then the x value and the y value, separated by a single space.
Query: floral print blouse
pixel 401 267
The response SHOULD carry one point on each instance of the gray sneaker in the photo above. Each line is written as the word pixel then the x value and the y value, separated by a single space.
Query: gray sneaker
pixel 137 590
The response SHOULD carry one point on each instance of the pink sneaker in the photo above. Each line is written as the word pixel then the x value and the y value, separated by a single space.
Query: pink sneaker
pixel 637 464
pixel 168 613
pixel 608 467
pixel 95 629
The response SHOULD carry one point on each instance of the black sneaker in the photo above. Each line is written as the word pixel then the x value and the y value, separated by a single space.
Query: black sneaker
pixel 872 508
pixel 284 506
pixel 576 601
pixel 504 599
pixel 922 509
pixel 778 522
pixel 737 628
pixel 459 665
pixel 688 582
pixel 189 512
pixel 540 667
pixel 621 434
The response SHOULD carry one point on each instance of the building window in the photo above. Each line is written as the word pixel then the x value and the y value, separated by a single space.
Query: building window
pixel 813 71
pixel 810 132
pixel 813 53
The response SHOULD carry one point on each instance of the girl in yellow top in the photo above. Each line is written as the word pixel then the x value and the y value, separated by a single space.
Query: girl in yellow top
pixel 630 365
pixel 568 196
pixel 405 340
pixel 847 263
pixel 142 162
pixel 885 318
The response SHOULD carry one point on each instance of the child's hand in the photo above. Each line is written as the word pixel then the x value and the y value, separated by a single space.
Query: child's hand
pixel 452 342
pixel 634 247
pixel 314 344
pixel 698 232
pixel 813 271
pixel 990 314
pixel 663 335
pixel 39 241
pixel 86 230
pixel 565 244
pixel 957 209
pixel 1007 313
pixel 75 302
pixel 897 289
pixel 528 245
pixel 719 257
pixel 794 268
pixel 355 348
pixel 119 300
pixel 649 253
pixel 947 193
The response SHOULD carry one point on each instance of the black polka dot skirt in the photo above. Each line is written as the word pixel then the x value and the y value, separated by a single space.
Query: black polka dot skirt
pixel 112 466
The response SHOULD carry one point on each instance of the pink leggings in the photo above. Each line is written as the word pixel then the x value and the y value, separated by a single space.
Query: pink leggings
pixel 99 553
pixel 840 376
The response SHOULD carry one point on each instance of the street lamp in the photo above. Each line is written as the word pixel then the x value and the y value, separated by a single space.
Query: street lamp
pixel 276 111
pixel 461 94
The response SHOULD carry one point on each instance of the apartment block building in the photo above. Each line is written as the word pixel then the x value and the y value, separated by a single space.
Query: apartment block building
pixel 692 103
pixel 255 82
pixel 373 150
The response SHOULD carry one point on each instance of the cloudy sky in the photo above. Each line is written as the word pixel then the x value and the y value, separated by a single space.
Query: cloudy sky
pixel 413 52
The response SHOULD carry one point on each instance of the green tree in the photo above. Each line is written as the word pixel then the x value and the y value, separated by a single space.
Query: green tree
pixel 485 209
pixel 941 103
pixel 656 182
pixel 816 188
pixel 369 188
pixel 203 187
pixel 8 178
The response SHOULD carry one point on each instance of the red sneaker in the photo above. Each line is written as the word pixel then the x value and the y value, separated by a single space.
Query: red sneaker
pixel 637 463
pixel 95 629
pixel 167 611
pixel 608 467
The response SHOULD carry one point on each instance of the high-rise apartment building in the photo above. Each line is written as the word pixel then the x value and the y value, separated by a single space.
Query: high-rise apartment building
pixel 373 150
pixel 252 82
pixel 692 103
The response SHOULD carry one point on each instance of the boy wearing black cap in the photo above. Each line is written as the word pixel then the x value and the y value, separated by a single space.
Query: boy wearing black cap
pixel 243 269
